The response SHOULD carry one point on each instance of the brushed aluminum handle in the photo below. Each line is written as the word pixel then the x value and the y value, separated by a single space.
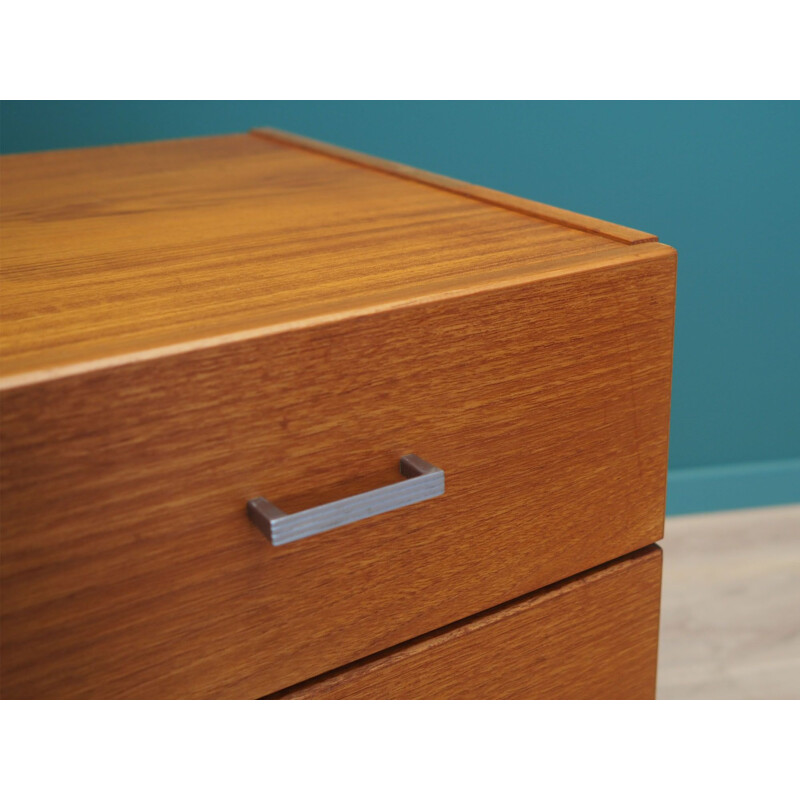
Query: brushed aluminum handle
pixel 424 482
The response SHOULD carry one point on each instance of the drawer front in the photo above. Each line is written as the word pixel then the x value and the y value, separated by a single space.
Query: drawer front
pixel 130 568
pixel 593 637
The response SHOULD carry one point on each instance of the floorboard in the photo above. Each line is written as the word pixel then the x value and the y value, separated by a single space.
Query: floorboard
pixel 730 625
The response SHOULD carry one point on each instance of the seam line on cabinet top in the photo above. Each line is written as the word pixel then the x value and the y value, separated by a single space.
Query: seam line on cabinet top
pixel 520 205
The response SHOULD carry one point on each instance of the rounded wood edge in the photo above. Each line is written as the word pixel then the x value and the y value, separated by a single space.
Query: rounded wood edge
pixel 657 253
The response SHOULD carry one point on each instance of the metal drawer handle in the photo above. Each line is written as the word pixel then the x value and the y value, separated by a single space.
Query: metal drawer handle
pixel 424 481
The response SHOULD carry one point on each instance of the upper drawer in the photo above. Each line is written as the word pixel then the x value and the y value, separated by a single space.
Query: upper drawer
pixel 188 326
pixel 130 568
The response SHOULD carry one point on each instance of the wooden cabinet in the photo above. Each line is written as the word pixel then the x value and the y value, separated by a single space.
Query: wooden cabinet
pixel 191 325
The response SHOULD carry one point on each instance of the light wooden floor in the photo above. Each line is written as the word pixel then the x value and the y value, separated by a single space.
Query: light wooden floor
pixel 730 625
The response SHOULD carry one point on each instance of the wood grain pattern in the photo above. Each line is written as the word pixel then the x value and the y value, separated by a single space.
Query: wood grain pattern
pixel 129 568
pixel 592 637
pixel 560 216
pixel 125 252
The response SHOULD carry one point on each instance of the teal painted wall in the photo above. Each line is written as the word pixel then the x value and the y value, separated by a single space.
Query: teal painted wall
pixel 718 181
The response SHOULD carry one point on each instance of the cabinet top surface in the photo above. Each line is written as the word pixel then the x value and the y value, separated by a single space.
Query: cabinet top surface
pixel 119 252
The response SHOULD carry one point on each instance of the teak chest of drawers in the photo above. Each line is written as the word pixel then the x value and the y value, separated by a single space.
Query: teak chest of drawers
pixel 189 326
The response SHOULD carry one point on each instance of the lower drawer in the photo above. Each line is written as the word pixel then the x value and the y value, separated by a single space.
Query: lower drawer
pixel 594 636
